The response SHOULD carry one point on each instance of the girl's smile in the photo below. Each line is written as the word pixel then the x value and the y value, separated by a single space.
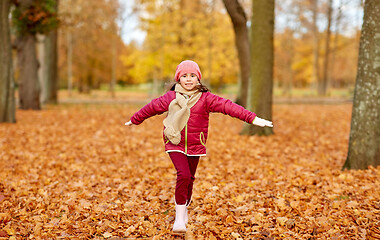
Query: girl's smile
pixel 188 81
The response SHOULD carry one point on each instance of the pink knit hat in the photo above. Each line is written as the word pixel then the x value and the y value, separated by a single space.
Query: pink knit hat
pixel 187 66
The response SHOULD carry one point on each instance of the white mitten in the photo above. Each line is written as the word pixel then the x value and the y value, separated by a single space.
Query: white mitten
pixel 128 123
pixel 262 122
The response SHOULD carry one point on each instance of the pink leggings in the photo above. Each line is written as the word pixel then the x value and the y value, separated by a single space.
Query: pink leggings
pixel 186 167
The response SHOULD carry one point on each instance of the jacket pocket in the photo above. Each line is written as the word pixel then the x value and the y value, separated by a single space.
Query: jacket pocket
pixel 166 140
pixel 202 139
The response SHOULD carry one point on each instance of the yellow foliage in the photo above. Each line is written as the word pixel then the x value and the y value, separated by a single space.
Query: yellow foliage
pixel 294 59
pixel 178 33
pixel 93 30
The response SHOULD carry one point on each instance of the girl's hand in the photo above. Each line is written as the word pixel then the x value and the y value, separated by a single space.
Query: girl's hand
pixel 128 123
pixel 262 122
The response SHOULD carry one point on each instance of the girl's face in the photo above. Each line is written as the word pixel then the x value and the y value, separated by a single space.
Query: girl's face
pixel 188 81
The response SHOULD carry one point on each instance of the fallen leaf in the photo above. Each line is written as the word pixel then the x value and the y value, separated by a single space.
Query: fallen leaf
pixel 107 235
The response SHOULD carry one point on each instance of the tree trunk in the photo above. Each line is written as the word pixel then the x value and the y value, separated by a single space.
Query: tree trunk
pixel 262 56
pixel 51 65
pixel 29 90
pixel 364 143
pixel 211 23
pixel 40 58
pixel 50 68
pixel 335 44
pixel 239 21
pixel 323 85
pixel 155 83
pixel 69 62
pixel 29 87
pixel 113 66
pixel 86 83
pixel 315 74
pixel 288 83
pixel 7 97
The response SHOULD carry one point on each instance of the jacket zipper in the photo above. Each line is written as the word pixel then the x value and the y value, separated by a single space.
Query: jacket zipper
pixel 186 138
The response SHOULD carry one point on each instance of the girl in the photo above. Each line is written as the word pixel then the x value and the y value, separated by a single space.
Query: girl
pixel 188 104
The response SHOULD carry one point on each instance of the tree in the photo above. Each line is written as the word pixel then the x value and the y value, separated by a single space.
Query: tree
pixel 324 82
pixel 364 143
pixel 90 44
pixel 29 18
pixel 239 21
pixel 296 43
pixel 262 56
pixel 29 89
pixel 50 68
pixel 315 32
pixel 7 98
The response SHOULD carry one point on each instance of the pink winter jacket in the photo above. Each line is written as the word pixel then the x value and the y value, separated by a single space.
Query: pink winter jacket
pixel 194 135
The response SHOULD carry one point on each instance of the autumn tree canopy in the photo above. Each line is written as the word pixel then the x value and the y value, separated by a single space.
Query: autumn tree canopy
pixel 200 30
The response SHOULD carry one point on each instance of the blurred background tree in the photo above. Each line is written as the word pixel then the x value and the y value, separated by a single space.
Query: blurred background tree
pixel 31 17
pixel 302 48
pixel 239 21
pixel 88 41
pixel 48 57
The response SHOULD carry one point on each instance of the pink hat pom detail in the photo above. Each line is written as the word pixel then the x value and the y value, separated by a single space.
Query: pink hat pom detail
pixel 187 66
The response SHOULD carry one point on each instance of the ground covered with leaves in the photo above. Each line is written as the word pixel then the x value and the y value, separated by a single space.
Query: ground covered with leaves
pixel 76 172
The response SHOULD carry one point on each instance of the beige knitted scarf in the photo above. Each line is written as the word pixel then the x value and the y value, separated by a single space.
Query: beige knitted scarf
pixel 179 112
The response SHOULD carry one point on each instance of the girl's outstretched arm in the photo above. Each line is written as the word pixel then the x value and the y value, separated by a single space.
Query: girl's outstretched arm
pixel 226 106
pixel 155 107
